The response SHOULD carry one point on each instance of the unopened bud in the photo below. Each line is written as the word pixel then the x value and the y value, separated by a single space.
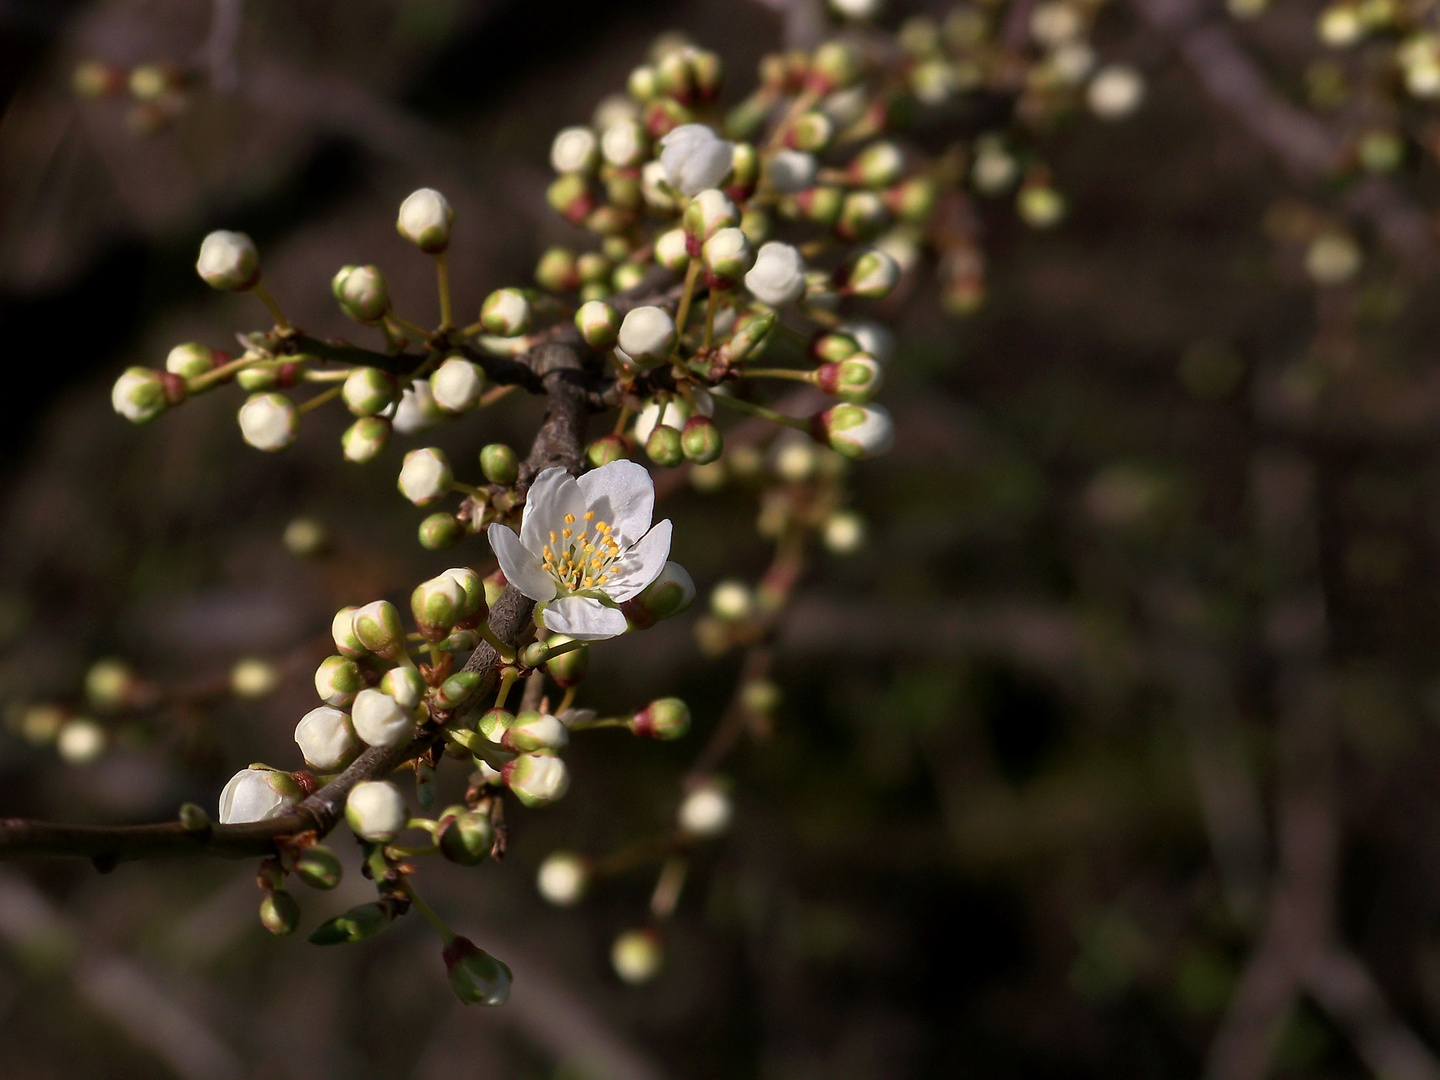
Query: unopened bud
pixel 863 216
pixel 667 718
pixel 835 65
pixel 873 275
pixel 425 219
pixel 253 678
pixel 457 689
pixel 361 293
pixel 606 449
pixel 493 723
pixel 790 172
pixel 778 276
pixel 760 696
pixel 269 421
pixel 695 158
pixel 375 811
pixel 357 924
pixel 367 391
pixel 338 680
pixel 570 197
pixel 668 595
pixel 913 201
pixel 436 605
pixel 318 867
pixel 706 811
pixel 751 332
pixel 139 395
pixel 465 836
pixel 405 685
pixel 80 741
pixel 707 213
pixel 879 165
pixel 476 977
pixel 1039 205
pixel 499 463
pixel 821 204
pixel 425 475
pixel 190 359
pixel 257 794
pixel 456 385
pixel 598 323
pixel 228 260
pixel 843 533
pixel 855 380
pixel 110 685
pixel 664 447
pixel 506 312
pixel 568 668
pixel 563 878
pixel 728 256
pixel 535 731
pixel 647 335
pixel 810 133
pixel 279 913
pixel 672 251
pixel 637 956
pixel 575 150
pixel 378 629
pixel 625 144
pixel 855 431
pixel 556 271
pixel 441 530
pixel 536 779
pixel 732 601
pixel 701 440
pixel 326 739
pixel 364 439
pixel 342 630
pixel 380 720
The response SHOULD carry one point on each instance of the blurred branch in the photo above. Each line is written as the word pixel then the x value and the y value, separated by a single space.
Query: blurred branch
pixel 1343 987
pixel 219 48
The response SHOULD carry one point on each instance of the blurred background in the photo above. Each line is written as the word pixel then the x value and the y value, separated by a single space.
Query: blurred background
pixel 1112 754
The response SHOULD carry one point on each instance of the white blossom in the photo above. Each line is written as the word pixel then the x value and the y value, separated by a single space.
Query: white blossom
pixel 375 810
pixel 647 334
pixel 269 421
pixel 379 719
pixel 585 546
pixel 256 794
pixel 623 144
pixel 695 158
pixel 778 276
pixel 325 737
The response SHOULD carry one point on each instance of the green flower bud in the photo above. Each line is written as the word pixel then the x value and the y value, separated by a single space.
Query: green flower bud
pixel 821 204
pixel 732 601
pixel 466 837
pixel 536 779
pixel 425 475
pixel 377 627
pixel 755 224
pixel 139 395
pixel 357 924
pixel 262 377
pixel 375 811
pixel 855 380
pixel 912 202
pixel 606 449
pixel 279 913
pixel 672 251
pixel 193 818
pixel 190 359
pixel 855 431
pixel 835 65
pixel 1040 206
pixel 532 731
pixel 675 76
pixel 599 323
pixel 367 391
pixel 318 867
pixel 476 604
pixel 436 605
pixel 832 346
pixel 667 718
pixel 110 685
pixel 457 689
pixel 664 447
pixel 752 330
pixel 456 385
pixel 441 530
pixel 624 192
pixel 701 441
pixel 342 630
pixel 873 274
pixel 269 421
pixel 644 83
pixel 499 463
pixel 361 293
pixel 594 268
pixel 728 255
pixel 568 668
pixel 425 220
pixel 459 641
pixel 707 213
pixel 744 171
pixel 506 312
pixel 863 216
pixel 570 197
pixel 879 165
pixel 669 594
pixel 364 439
pixel 305 537
pixel 627 276
pixel 493 724
pixel 228 260
pixel 476 977
pixel 810 133
pixel 405 685
pixel 556 271
pixel 494 587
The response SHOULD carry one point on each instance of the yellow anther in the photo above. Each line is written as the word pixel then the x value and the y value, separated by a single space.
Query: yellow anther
pixel 589 515
pixel 553 538
pixel 569 519
pixel 566 532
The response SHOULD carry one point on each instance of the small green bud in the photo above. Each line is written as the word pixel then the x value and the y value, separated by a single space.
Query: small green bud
pixel 856 379
pixel 751 332
pixel 832 347
pixel 756 225
pixel 556 271
pixel 493 724
pixel 193 818
pixel 668 595
pixel 855 431
pixel 663 446
pixel 863 216
pixel 599 322
pixel 361 293
pixel 606 449
pixel 760 696
pixel 810 133
pixel 879 165
pixel 465 837
pixel 476 977
pixel 139 394
pixel 568 668
pixel 672 251
pixel 821 205
pixel 367 391
pixel 342 629
pixel 459 641
pixel 190 359
pixel 744 170
pixel 912 201
pixel 457 689
pixel 318 867
pixel 644 83
pixel 476 604
pixel 110 685
pixel 872 274
pixel 305 537
pixel 835 65
pixel 594 268
pixel 436 605
pixel 279 913
pixel 534 654
pixel 701 440
pixel 441 530
pixel 506 312
pixel 357 924
pixel 499 463
pixel 667 718
pixel 627 276
pixel 377 627
pixel 570 197
pixel 532 731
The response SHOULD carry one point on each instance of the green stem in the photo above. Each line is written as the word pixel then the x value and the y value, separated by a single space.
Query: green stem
pixel 601 722
pixel 469 489
pixel 760 410
pixel 409 327
pixel 442 275
pixel 507 680
pixel 682 313
pixel 446 934
pixel 327 376
pixel 263 295
pixel 319 399
pixel 711 303
pixel 201 383
pixel 780 373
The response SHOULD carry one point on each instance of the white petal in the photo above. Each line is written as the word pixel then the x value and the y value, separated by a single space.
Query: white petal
pixel 521 568
pixel 553 495
pixel 584 619
pixel 623 494
pixel 640 565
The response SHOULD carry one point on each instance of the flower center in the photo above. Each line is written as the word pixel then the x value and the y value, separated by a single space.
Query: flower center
pixel 581 560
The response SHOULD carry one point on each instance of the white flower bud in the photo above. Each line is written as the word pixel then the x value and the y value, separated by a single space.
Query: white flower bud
pixel 437 605
pixel 269 421
pixel 789 171
pixel 778 276
pixel 375 811
pixel 361 293
pixel 856 431
pixel 706 811
pixel 405 685
pixel 872 337
pixel 728 255
pixel 338 680
pixel 536 779
pixel 456 385
pixel 695 158
pixel 534 731
pixel 228 260
pixel 672 251
pixel 139 395
pixel 257 794
pixel 363 440
pixel 417 410
pixel 874 274
pixel 655 188
pixel 1115 92
pixel 732 601
pixel 376 628
pixel 647 335
pixel 367 391
pixel 506 312
pixel 425 218
pixel 844 533
pixel 637 956
pixel 424 475
pixel 708 213
pixel 1332 258
pixel 795 460
pixel 379 719
pixel 562 879
pixel 326 739
pixel 624 144
pixel 575 150
pixel 253 678
pixel 80 741
pixel 598 323
pixel 190 359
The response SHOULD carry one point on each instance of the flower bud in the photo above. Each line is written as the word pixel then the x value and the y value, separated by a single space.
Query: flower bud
pixel 855 380
pixel 575 150
pixel 365 438
pixel 326 739
pixel 599 324
pixel 375 811
pixel 750 335
pixel 377 627
pixel 873 275
pixel 744 172
pixel 879 165
pixel 425 219
pixel 606 449
pixel 493 723
pixel 862 216
pixel 535 731
pixel 695 158
pixel 556 271
pixel 506 312
pixel 476 977
pixel 810 133
pixel 664 447
pixel 380 720
pixel 440 530
pixel 476 604
pixel 338 680
pixel 789 171
pixel 707 213
pixel 706 811
pixel 637 956
pixel 570 197
pixel 465 836
pixel 778 276
pixel 913 201
pixel 342 630
pixel 701 441
pixel 253 678
pixel 667 718
pixel 361 293
pixel 436 605
pixel 568 668
pixel 269 421
pixel 728 256
pixel 357 924
pixel 139 395
pixel 228 260
pixel 625 144
pixel 318 867
pixel 668 595
pixel 424 475
pixel 672 251
pixel 368 391
pixel 655 189
pixel 872 338
pixel 647 335
pixel 536 779
pixel 417 409
pixel 457 689
pixel 1040 205
pixel 456 385
pixel 279 913
pixel 80 741
pixel 855 431
pixel 405 685
pixel 843 533
pixel 732 601
pixel 257 794
pixel 111 685
pixel 796 460
pixel 562 878
pixel 190 359
pixel 835 65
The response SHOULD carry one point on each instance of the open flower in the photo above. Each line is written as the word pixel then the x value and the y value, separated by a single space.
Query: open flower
pixel 585 547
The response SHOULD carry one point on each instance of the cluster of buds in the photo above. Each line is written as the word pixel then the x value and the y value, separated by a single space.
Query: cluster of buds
pixel 156 94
